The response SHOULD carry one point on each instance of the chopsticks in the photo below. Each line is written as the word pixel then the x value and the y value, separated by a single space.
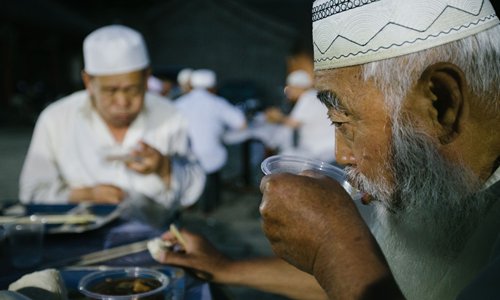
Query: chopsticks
pixel 111 253
pixel 101 255
pixel 178 235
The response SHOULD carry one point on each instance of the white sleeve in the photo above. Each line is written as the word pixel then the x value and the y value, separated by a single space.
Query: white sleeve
pixel 306 109
pixel 232 116
pixel 188 178
pixel 40 180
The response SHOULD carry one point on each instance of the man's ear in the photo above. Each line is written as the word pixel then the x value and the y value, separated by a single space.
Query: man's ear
pixel 86 78
pixel 444 84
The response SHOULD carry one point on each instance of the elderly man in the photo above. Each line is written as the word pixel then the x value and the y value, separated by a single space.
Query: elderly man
pixel 414 98
pixel 113 140
pixel 209 117
pixel 412 88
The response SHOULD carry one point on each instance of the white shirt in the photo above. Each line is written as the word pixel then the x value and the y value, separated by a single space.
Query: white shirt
pixel 70 144
pixel 316 134
pixel 209 116
pixel 435 278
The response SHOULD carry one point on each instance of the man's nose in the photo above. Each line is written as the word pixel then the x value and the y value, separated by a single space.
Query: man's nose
pixel 121 99
pixel 343 152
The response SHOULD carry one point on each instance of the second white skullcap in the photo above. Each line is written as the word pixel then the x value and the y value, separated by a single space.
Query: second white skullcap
pixel 300 79
pixel 155 85
pixel 203 79
pixel 114 49
pixel 184 76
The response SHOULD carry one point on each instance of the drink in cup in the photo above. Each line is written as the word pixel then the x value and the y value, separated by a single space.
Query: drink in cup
pixel 296 165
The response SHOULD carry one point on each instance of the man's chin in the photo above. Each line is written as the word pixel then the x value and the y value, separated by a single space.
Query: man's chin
pixel 367 189
pixel 121 122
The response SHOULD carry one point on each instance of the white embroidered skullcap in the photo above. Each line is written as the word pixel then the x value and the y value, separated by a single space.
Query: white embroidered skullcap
pixel 184 76
pixel 300 79
pixel 352 32
pixel 203 79
pixel 114 49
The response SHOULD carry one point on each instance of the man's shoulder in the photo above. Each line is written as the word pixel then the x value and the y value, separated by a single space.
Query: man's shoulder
pixel 68 102
pixel 65 106
pixel 310 95
pixel 309 100
pixel 160 107
pixel 485 285
pixel 158 102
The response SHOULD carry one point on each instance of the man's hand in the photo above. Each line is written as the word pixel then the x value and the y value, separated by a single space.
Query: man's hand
pixel 313 224
pixel 148 160
pixel 199 256
pixel 299 213
pixel 101 193
pixel 274 115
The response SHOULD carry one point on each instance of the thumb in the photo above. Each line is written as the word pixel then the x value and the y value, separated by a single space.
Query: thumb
pixel 174 258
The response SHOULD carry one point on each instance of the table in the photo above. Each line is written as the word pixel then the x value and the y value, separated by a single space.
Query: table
pixel 272 137
pixel 275 136
pixel 118 232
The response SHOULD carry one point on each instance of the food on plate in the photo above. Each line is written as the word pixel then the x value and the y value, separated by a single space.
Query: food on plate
pixel 127 286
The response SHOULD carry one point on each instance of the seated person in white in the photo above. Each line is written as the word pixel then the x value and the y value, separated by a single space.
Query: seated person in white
pixel 209 116
pixel 113 140
pixel 316 136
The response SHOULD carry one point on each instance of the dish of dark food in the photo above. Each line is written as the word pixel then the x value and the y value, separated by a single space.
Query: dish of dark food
pixel 125 286
pixel 122 284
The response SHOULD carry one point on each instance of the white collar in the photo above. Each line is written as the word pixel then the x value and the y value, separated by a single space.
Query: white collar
pixel 495 177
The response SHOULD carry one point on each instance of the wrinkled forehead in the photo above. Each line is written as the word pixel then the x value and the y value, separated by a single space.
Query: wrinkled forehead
pixel 349 89
pixel 338 79
pixel 135 77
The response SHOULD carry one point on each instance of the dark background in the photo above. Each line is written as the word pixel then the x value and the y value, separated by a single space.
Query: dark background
pixel 247 42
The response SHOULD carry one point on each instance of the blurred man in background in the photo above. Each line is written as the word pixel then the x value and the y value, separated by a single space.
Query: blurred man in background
pixel 113 140
pixel 315 135
pixel 209 117
pixel 184 80
pixel 160 86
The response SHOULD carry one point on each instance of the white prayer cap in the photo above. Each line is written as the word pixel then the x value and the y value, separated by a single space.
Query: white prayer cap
pixel 184 76
pixel 114 49
pixel 352 32
pixel 203 79
pixel 300 79
pixel 155 85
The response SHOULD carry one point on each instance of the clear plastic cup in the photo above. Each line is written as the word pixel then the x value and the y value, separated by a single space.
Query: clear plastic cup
pixel 296 165
pixel 25 237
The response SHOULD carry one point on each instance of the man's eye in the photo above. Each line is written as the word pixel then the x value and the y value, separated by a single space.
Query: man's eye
pixel 337 124
pixel 133 90
pixel 108 91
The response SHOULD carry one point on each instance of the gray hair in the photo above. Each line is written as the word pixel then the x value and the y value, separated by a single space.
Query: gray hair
pixel 477 55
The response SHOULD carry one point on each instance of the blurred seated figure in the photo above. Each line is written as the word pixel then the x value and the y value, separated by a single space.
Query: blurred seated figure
pixel 315 135
pixel 209 116
pixel 112 140
pixel 184 80
pixel 160 86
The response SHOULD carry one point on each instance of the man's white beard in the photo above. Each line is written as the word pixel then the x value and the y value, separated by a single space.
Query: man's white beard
pixel 427 215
